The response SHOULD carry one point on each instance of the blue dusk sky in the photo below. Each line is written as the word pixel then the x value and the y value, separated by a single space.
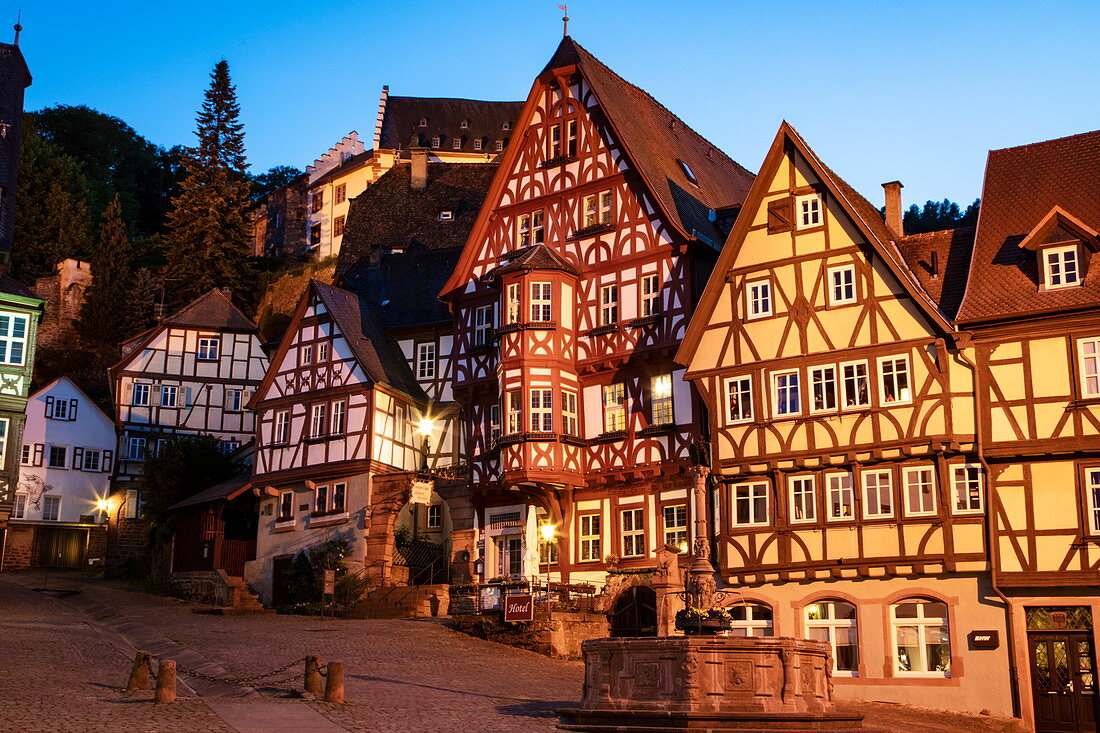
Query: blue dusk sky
pixel 915 91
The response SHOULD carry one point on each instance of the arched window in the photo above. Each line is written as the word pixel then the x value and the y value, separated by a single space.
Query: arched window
pixel 751 619
pixel 835 622
pixel 921 637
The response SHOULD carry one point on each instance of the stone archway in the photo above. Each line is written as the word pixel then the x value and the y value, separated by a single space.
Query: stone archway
pixel 634 612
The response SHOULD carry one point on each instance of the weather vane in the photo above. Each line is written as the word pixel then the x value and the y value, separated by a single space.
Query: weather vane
pixel 565 20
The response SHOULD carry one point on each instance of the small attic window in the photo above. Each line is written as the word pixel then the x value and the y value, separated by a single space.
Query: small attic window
pixel 464 125
pixel 435 142
pixel 688 172
pixel 499 145
pixel 457 145
pixel 423 122
pixel 446 215
pixel 1061 266
pixel 507 125
pixel 478 143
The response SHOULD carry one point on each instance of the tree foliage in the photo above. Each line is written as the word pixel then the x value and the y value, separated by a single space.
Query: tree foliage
pixel 937 215
pixel 272 180
pixel 209 233
pixel 103 317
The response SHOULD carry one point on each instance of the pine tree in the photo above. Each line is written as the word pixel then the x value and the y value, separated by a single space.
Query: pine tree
pixel 104 313
pixel 144 294
pixel 209 234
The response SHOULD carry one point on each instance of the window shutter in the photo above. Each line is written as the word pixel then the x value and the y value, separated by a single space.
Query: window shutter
pixel 105 466
pixel 38 450
pixel 72 409
pixel 780 215
pixel 49 407
pixel 78 459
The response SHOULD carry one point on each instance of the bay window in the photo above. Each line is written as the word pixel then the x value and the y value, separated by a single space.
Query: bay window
pixel 13 338
pixel 514 398
pixel 542 411
pixel 541 302
pixel 614 407
pixel 569 415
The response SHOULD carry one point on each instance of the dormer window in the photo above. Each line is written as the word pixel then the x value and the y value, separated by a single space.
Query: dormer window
pixel 499 145
pixel 506 126
pixel 457 144
pixel 688 172
pixel 446 215
pixel 423 122
pixel 464 125
pixel 1061 267
pixel 478 143
pixel 435 142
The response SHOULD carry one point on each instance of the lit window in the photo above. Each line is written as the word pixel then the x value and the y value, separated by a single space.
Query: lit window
pixel 435 142
pixel 478 143
pixel 809 211
pixel 513 304
pixel 676 522
pixel 58 457
pixel 340 193
pixel 590 537
pixel 785 394
pixel 841 496
pixel 541 311
pixel 750 619
pixel 13 338
pixel 498 145
pixel 19 509
pixel 857 391
pixel 921 637
pixel 967 485
pixel 140 395
pixel 51 508
pixel 633 532
pixel 446 215
pixel 569 415
pixel 660 400
pixel 1090 366
pixel 483 325
pixel 282 427
pixel 920 491
pixel 317 421
pixel 515 411
pixel 435 516
pixel 739 399
pixel 609 305
pixel 759 299
pixel 614 407
pixel 1061 267
pixel 823 388
pixel 842 285
pixel 894 380
pixel 529 229
pixel 651 295
pixel 803 499
pixel 834 622
pixel 750 505
pixel 339 417
pixel 1093 489
pixel 457 144
pixel 168 396
pixel 338 226
pixel 425 361
pixel 878 494
pixel 208 349
pixel 542 411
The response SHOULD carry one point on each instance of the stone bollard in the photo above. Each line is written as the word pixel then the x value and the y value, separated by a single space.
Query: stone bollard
pixel 334 683
pixel 166 682
pixel 139 674
pixel 313 676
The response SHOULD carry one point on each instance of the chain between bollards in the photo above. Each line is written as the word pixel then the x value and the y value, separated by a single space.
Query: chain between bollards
pixel 167 670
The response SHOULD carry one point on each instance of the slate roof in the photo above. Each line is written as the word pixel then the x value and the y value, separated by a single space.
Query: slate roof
pixel 1022 185
pixel 537 257
pixel 391 214
pixel 401 123
pixel 403 288
pixel 228 490
pixel 213 310
pixel 656 140
pixel 11 286
pixel 940 260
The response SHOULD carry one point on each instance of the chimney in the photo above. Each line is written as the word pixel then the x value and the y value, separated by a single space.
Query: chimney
pixel 893 207
pixel 419 169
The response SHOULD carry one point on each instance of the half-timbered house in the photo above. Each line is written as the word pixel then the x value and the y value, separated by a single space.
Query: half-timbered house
pixel 573 290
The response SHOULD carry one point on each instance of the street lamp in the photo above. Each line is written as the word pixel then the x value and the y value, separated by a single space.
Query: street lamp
pixel 548 532
pixel 425 427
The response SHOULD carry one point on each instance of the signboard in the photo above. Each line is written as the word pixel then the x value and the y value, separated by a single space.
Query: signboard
pixel 420 492
pixel 519 608
pixel 490 598
pixel 329 582
pixel 984 639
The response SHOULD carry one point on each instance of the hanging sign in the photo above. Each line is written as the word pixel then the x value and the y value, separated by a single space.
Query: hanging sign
pixel 519 608
pixel 420 492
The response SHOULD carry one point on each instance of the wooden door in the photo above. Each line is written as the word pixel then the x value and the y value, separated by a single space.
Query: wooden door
pixel 60 547
pixel 1063 682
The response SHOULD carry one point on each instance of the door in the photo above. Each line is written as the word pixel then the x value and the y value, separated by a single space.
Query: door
pixel 279 568
pixel 635 612
pixel 60 547
pixel 510 555
pixel 1063 683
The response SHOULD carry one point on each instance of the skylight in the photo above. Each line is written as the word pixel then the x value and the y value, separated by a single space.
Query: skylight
pixel 688 172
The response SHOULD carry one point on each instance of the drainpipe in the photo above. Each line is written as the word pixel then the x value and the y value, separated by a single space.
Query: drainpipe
pixel 990 532
pixel 3 549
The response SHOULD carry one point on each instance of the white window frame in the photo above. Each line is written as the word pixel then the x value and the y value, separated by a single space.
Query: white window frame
pixel 880 482
pixel 609 304
pixel 169 395
pixel 589 539
pixel 758 299
pixel 651 295
pixel 494 424
pixel 513 306
pixel 785 389
pixel 632 532
pixel 19 507
pixel 514 399
pixel 1092 489
pixel 530 228
pixel 809 211
pixel 570 418
pixel 541 415
pixel 842 285
pixel 829 384
pixel 917 477
pixel 281 434
pixel 803 493
pixel 338 420
pixel 661 408
pixel 750 493
pixel 433 516
pixel 1088 359
pixel 903 395
pixel 922 625
pixel 977 481
pixel 13 339
pixel 855 378
pixel 136 447
pixel 743 387
pixel 676 530
pixel 751 624
pixel 235 401
pixel 844 486
pixel 318 420
pixel 322 351
pixel 614 407
pixel 1055 260
pixel 208 348
pixel 86 464
pixel 483 325
pixel 832 624
pixel 46 502
pixel 542 302
pixel 307 354
pixel 60 410
pixel 426 360
pixel 139 394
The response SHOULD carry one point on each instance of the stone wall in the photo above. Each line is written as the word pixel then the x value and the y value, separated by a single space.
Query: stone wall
pixel 128 547
pixel 64 296
pixel 204 586
pixel 559 635
pixel 18 547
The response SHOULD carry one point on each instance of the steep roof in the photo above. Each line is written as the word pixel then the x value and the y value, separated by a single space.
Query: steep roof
pixel 940 260
pixel 537 257
pixel 227 490
pixel 213 310
pixel 11 286
pixel 403 288
pixel 444 116
pixel 1022 187
pixel 392 214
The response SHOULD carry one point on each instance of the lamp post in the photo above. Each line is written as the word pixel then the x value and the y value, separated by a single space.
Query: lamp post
pixel 548 532
pixel 424 427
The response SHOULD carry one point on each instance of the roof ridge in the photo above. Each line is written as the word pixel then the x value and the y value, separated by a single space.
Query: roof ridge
pixel 392 97
pixel 1043 142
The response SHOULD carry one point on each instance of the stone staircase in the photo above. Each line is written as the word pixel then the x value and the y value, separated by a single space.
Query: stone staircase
pixel 235 598
pixel 401 601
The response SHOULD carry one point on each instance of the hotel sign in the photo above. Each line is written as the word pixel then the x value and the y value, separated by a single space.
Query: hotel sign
pixel 519 608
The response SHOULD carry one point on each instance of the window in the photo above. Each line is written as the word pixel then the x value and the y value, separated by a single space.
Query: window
pixel 785 394
pixel 529 229
pixel 513 303
pixel 435 142
pixel 609 305
pixel 317 201
pixel 447 215
pixel 51 508
pixel 1061 268
pixel 515 411
pixel 894 374
pixel 803 499
pixel 320 501
pixel 456 144
pixel 339 417
pixel 688 172
pixel 168 396
pixel 834 622
pixel 338 500
pixel 315 235
pixel 676 522
pixel 423 122
pixel 483 325
pixel 878 494
pixel 967 484
pixel 498 145
pixel 633 532
pixel 506 126
pixel 464 125
pixel 651 295
pixel 317 421
pixel 234 400
pixel 322 352
pixel 921 637
pixel 857 391
pixel 590 537
pixel 571 138
pixel 307 354
pixel 759 299
pixel 425 361
pixel 58 457
pixel 541 312
pixel 228 446
pixel 920 491
pixel 542 411
pixel 598 209
pixel 135 449
pixel 140 395
pixel 25 456
pixel 739 399
pixel 842 285
pixel 751 619
pixel 510 555
pixel 809 211
pixel 823 388
pixel 841 496
pixel 134 504
pixel 282 427
pixel 19 509
pixel 1090 366
pixel 750 504
pixel 13 338
pixel 340 193
pixel 479 142
pixel 614 407
pixel 494 423
pixel 286 506
pixel 569 421
pixel 208 349
pixel 660 400
pixel 1092 477
pixel 548 551
pixel 60 409
pixel 435 516
pixel 554 148
pixel 92 460
pixel 338 226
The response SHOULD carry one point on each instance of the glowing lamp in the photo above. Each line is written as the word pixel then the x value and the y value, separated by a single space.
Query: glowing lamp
pixel 548 532
pixel 424 427
pixel 684 547
pixel 102 505
pixel 662 387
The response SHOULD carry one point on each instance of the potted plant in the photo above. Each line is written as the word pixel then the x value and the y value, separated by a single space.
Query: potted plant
pixel 703 622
